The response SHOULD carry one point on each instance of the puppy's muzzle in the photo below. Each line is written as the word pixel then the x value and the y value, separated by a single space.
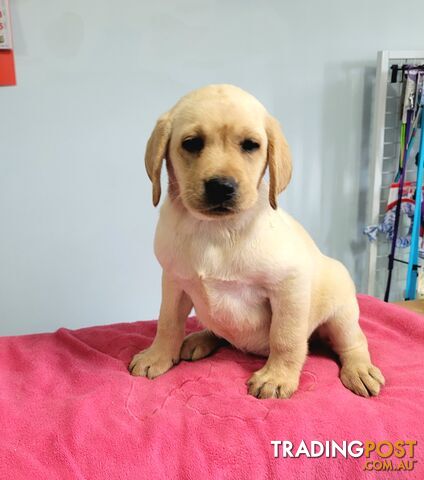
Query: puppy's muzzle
pixel 220 191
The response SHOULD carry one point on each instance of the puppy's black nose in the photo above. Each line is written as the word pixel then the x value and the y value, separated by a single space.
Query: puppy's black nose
pixel 219 190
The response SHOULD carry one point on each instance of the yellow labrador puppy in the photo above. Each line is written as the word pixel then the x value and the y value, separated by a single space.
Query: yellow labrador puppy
pixel 254 276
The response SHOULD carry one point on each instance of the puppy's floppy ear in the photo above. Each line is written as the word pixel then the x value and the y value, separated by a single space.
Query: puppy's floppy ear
pixel 279 160
pixel 156 151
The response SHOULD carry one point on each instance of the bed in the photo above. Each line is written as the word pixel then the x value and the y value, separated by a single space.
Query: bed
pixel 70 410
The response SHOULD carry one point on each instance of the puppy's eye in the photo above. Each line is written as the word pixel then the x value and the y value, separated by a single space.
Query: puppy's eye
pixel 249 145
pixel 193 144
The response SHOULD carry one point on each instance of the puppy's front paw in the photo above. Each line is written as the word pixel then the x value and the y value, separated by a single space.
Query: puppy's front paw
pixel 267 383
pixel 151 363
pixel 362 378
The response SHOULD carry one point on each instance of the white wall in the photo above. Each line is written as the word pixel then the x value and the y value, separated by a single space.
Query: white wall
pixel 76 225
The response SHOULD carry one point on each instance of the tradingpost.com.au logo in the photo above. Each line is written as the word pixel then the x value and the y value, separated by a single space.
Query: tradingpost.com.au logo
pixel 379 456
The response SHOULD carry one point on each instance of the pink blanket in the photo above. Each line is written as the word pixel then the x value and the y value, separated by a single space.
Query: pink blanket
pixel 70 410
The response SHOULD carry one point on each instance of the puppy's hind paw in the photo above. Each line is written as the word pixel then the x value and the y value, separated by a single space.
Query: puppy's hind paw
pixel 363 379
pixel 199 345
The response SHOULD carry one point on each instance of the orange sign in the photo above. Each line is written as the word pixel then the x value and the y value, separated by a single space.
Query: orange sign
pixel 7 61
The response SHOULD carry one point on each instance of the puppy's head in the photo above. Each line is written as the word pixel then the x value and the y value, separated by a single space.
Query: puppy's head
pixel 217 142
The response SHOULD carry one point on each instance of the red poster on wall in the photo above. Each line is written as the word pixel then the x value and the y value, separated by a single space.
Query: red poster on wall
pixel 7 61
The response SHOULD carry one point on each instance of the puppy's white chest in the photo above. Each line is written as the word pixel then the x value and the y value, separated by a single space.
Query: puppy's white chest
pixel 227 277
pixel 228 295
pixel 236 311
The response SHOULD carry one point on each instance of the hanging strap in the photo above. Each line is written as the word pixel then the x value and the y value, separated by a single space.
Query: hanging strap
pixel 398 207
pixel 412 273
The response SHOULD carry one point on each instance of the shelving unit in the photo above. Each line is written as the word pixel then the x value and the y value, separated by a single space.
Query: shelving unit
pixel 384 165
